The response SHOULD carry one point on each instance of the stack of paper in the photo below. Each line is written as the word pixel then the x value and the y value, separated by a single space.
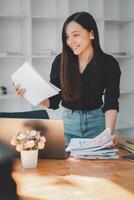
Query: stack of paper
pixel 37 89
pixel 96 148
pixel 127 143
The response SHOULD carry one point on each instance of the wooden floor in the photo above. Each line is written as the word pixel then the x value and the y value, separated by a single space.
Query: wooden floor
pixel 74 179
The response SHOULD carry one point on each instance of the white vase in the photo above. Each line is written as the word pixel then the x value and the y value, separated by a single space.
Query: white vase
pixel 29 158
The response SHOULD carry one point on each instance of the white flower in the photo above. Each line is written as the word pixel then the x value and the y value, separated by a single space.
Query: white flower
pixel 41 145
pixel 27 132
pixel 38 137
pixel 33 133
pixel 30 144
pixel 43 139
pixel 28 140
pixel 21 136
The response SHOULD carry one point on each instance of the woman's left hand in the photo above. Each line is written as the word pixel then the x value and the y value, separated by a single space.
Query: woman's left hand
pixel 115 140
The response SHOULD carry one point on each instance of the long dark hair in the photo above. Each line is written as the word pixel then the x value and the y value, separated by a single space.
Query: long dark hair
pixel 69 71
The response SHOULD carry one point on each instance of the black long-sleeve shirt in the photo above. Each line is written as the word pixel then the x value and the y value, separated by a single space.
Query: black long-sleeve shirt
pixel 100 77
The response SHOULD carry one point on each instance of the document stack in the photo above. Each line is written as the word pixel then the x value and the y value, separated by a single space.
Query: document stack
pixel 127 144
pixel 96 148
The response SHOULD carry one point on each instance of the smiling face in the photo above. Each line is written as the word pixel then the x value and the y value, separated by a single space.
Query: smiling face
pixel 78 39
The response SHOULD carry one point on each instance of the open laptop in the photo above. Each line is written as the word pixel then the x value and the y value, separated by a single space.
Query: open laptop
pixel 53 130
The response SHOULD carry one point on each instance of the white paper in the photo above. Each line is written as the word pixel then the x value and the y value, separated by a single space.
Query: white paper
pixel 98 157
pixel 84 143
pixel 37 89
pixel 96 152
pixel 96 148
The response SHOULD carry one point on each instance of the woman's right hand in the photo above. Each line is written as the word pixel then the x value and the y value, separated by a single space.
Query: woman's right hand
pixel 18 89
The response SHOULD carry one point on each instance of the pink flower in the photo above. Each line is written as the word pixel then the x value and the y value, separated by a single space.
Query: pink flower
pixel 19 147
pixel 13 141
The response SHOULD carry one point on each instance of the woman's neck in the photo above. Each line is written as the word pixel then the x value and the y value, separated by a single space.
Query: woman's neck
pixel 87 55
pixel 84 58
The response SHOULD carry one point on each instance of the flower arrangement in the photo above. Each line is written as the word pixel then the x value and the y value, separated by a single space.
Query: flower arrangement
pixel 28 140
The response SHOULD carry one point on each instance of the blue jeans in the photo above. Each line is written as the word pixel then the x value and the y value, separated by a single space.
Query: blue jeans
pixel 83 124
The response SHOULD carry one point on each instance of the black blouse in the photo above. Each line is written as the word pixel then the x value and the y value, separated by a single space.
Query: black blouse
pixel 101 77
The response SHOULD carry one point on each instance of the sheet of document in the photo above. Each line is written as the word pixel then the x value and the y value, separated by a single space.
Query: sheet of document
pixel 96 148
pixel 37 89
pixel 84 143
pixel 115 157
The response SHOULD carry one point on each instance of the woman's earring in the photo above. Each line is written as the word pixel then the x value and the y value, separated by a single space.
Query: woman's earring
pixel 91 35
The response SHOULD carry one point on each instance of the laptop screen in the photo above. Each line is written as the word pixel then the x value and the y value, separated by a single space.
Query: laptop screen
pixel 53 130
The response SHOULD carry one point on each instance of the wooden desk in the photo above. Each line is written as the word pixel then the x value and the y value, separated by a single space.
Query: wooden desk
pixel 73 179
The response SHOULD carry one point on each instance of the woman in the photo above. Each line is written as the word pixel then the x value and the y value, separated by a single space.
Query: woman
pixel 87 77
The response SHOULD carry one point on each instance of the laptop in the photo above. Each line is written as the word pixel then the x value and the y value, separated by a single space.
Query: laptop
pixel 53 130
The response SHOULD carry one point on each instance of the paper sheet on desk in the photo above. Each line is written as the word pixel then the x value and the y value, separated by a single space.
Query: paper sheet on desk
pixel 96 148
pixel 84 143
pixel 37 89
pixel 93 157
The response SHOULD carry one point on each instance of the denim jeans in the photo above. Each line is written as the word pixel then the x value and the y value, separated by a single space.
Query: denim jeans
pixel 83 124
